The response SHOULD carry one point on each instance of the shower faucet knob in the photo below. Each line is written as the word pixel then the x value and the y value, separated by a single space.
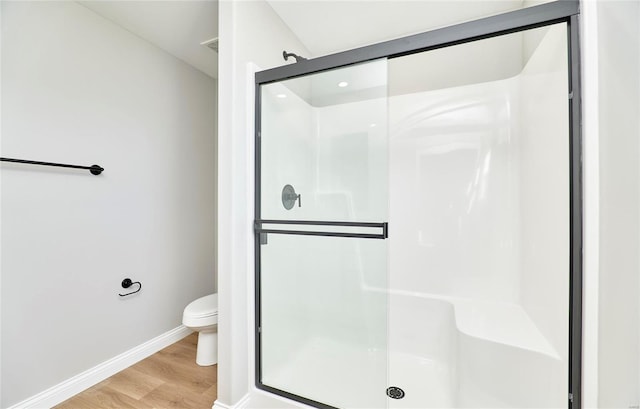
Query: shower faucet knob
pixel 289 197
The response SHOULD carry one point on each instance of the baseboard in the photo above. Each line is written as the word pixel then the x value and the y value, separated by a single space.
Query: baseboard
pixel 219 405
pixel 72 386
pixel 257 398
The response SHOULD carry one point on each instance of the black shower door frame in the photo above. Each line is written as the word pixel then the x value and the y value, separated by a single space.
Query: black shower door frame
pixel 560 11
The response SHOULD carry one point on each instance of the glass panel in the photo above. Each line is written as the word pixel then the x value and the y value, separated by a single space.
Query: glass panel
pixel 478 223
pixel 325 135
pixel 324 327
pixel 323 300
pixel 478 198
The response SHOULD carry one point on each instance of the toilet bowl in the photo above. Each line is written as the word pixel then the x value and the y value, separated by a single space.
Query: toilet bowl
pixel 202 315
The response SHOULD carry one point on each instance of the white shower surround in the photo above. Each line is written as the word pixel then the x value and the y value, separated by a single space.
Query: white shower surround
pixel 449 317
pixel 259 36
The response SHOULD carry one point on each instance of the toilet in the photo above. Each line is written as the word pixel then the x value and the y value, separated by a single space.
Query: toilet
pixel 202 315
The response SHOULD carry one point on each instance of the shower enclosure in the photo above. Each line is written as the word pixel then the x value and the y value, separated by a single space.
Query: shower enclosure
pixel 418 219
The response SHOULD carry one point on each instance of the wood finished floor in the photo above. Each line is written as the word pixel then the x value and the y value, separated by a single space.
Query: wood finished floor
pixel 167 379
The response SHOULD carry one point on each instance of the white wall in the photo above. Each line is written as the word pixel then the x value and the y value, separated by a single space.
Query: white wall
pixel 544 188
pixel 619 307
pixel 544 204
pixel 453 192
pixel 0 210
pixel 250 34
pixel 78 89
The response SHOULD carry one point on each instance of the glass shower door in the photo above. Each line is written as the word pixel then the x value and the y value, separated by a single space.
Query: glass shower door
pixel 322 206
pixel 480 209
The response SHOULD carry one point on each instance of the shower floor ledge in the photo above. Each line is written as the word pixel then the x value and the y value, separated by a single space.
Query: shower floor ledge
pixel 502 323
pixel 499 322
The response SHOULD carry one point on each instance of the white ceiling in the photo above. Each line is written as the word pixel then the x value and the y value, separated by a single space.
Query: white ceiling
pixel 323 26
pixel 328 26
pixel 178 27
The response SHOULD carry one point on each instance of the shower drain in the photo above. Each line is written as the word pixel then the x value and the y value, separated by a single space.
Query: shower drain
pixel 395 393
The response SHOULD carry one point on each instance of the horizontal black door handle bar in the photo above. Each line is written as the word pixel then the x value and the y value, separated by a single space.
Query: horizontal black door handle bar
pixel 324 233
pixel 94 169
pixel 259 228
pixel 323 223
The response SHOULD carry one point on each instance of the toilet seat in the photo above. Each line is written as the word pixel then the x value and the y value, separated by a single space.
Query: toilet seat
pixel 201 312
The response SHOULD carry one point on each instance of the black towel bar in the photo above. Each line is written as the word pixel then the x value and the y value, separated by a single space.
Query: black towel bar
pixel 94 169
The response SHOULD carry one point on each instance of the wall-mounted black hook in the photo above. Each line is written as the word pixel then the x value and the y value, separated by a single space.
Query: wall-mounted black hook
pixel 126 283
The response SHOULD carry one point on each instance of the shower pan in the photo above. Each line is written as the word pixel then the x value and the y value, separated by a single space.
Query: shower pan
pixel 435 261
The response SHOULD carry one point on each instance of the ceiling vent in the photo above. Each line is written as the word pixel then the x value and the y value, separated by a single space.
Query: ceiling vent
pixel 213 44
